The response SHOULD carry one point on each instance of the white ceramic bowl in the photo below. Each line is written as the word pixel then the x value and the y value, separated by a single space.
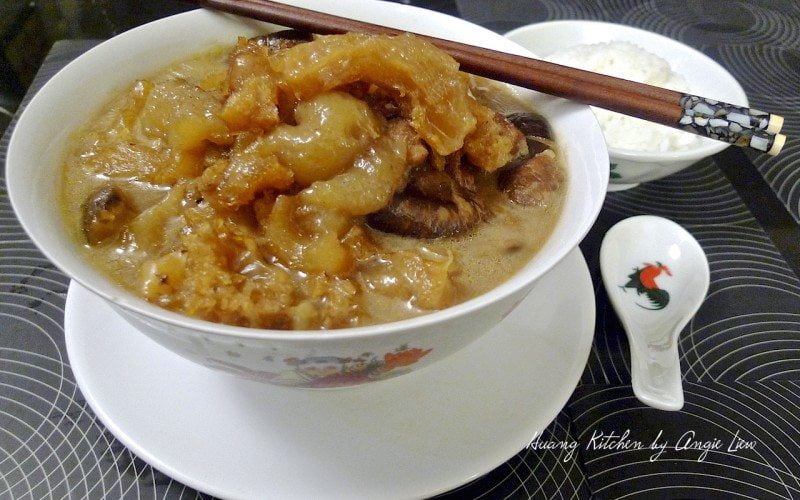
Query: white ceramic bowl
pixel 704 75
pixel 295 358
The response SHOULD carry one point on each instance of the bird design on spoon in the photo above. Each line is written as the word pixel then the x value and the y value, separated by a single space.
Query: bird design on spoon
pixel 655 359
pixel 643 280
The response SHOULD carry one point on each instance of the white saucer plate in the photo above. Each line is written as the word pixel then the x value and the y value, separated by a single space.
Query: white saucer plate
pixel 413 436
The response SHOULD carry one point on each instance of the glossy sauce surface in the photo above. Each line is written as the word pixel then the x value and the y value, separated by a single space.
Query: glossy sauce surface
pixel 237 186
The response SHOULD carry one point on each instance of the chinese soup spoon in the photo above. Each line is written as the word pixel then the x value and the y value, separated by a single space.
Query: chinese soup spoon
pixel 656 276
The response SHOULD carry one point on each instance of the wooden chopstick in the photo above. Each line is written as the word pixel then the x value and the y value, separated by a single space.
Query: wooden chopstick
pixel 707 117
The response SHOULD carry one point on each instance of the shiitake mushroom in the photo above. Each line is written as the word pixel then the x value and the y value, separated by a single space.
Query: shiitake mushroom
pixel 443 203
pixel 433 204
pixel 535 129
pixel 532 179
pixel 105 212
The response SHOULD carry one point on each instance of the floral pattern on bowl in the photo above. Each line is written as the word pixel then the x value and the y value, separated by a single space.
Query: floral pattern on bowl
pixel 332 371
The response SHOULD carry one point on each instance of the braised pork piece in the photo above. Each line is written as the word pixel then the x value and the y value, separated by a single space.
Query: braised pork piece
pixel 298 182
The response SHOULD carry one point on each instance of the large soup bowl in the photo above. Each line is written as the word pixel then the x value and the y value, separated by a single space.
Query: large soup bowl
pixel 295 358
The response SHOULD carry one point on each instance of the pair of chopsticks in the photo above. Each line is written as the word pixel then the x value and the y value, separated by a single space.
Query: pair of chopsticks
pixel 707 117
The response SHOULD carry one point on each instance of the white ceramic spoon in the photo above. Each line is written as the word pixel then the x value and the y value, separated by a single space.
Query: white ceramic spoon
pixel 656 275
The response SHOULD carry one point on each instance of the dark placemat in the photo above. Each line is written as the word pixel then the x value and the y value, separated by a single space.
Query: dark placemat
pixel 729 441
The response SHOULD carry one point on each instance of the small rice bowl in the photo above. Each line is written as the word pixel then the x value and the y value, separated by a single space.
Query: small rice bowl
pixel 631 62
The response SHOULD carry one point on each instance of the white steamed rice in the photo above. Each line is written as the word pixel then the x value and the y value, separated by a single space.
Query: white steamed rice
pixel 629 61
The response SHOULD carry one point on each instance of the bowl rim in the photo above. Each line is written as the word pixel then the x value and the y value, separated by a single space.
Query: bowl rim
pixel 119 297
pixel 702 149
